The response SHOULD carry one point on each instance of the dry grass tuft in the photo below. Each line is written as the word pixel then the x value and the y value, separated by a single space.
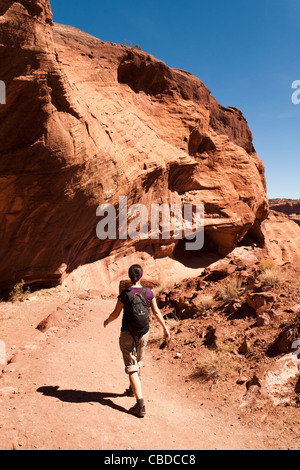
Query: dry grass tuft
pixel 164 286
pixel 211 366
pixel 18 294
pixel 269 273
pixel 232 290
pixel 271 277
pixel 267 263
pixel 156 331
pixel 205 303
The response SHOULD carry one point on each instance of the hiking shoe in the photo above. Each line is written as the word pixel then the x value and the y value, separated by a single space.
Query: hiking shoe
pixel 129 392
pixel 139 411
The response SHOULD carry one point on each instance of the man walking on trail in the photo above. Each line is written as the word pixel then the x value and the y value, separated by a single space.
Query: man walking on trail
pixel 133 340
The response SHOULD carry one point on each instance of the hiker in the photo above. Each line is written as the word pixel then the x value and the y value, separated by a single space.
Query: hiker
pixel 135 332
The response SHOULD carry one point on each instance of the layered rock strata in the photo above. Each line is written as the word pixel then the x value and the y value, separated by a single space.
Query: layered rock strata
pixel 86 122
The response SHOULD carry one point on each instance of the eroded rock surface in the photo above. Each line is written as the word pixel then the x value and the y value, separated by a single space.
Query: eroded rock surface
pixel 290 207
pixel 87 121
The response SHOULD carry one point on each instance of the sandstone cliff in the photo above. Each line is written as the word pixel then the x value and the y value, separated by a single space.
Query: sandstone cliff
pixel 290 207
pixel 87 121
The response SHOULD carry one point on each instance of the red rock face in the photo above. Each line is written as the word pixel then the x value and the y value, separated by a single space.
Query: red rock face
pixel 290 207
pixel 88 121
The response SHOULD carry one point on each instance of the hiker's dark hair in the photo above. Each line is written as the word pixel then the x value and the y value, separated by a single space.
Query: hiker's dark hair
pixel 135 273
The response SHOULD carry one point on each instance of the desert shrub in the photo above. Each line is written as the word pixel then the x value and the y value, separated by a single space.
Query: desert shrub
pixel 223 347
pixel 129 44
pixel 173 322
pixel 211 366
pixel 205 303
pixel 18 294
pixel 267 263
pixel 271 277
pixel 164 286
pixel 232 289
pixel 157 334
pixel 269 274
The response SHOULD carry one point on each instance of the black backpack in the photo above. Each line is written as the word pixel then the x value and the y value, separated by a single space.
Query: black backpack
pixel 136 315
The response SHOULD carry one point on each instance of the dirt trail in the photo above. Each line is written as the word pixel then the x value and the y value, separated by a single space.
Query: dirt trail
pixel 64 391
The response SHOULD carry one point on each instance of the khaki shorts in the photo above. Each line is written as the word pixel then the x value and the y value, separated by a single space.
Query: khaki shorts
pixel 133 354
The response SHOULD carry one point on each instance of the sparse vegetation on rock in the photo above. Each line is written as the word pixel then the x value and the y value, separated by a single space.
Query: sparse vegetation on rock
pixel 19 293
pixel 247 323
pixel 210 366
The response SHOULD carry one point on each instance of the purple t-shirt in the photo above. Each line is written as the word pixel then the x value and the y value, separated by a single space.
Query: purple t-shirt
pixel 136 290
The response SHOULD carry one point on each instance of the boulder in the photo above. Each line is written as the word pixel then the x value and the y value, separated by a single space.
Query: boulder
pixel 261 301
pixel 244 347
pixel 263 319
pixel 219 270
pixel 279 380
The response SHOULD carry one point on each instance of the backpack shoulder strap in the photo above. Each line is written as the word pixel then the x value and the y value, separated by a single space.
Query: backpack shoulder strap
pixel 144 291
pixel 142 295
pixel 129 294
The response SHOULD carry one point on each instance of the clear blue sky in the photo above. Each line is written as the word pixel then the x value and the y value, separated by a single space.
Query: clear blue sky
pixel 246 53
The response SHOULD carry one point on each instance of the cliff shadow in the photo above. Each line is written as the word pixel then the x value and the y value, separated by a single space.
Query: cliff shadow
pixel 202 258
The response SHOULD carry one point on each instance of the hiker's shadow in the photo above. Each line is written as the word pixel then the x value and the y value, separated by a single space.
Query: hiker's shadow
pixel 80 396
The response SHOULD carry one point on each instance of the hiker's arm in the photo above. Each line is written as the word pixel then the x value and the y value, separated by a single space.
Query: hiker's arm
pixel 114 315
pixel 160 318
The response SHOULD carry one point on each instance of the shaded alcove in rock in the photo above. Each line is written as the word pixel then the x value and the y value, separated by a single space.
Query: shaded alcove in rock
pixel 143 74
pixel 254 236
pixel 197 258
pixel 199 144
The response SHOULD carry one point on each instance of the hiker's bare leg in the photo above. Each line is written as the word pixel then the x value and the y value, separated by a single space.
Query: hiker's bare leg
pixel 136 385
pixel 140 376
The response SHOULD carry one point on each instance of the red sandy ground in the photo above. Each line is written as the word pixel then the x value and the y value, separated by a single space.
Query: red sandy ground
pixel 62 389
